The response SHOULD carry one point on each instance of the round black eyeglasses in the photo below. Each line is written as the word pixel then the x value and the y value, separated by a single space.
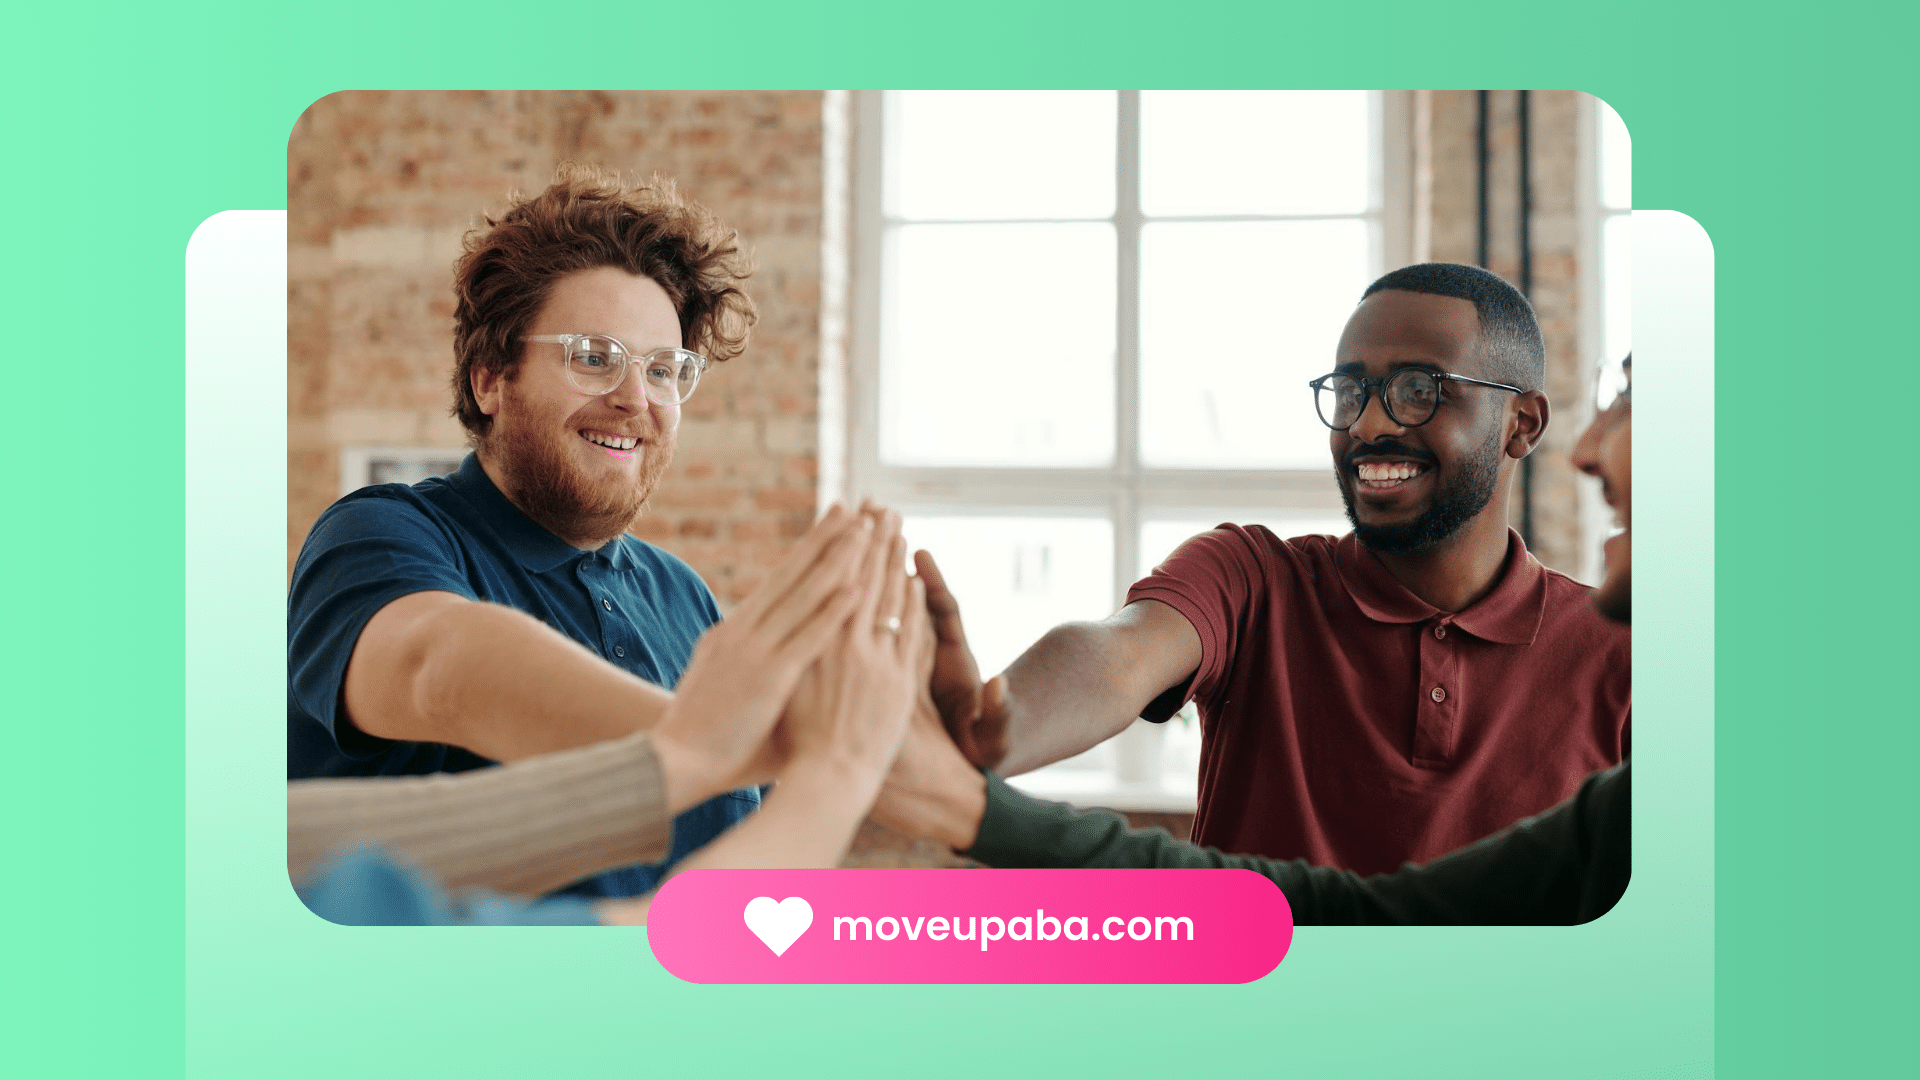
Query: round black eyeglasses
pixel 1411 395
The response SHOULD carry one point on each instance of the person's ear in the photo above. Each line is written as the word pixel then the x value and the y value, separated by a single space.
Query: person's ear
pixel 488 387
pixel 1527 424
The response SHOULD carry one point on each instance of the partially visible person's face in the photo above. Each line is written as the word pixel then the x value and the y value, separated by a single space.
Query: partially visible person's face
pixel 1605 451
pixel 583 465
pixel 1409 488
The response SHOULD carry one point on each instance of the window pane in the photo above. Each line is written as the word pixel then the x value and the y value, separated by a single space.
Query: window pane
pixel 1160 534
pixel 1616 159
pixel 997 345
pixel 1001 154
pixel 1264 152
pixel 1616 266
pixel 1235 318
pixel 1018 577
pixel 1180 752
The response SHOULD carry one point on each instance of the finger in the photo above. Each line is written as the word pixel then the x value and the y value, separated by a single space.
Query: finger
pixel 916 633
pixel 836 526
pixel 811 637
pixel 836 572
pixel 891 610
pixel 875 571
pixel 988 735
pixel 940 602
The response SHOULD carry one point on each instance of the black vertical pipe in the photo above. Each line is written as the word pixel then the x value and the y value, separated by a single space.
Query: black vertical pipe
pixel 1526 194
pixel 1526 285
pixel 1481 149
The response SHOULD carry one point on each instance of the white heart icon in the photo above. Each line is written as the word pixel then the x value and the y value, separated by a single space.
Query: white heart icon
pixel 778 925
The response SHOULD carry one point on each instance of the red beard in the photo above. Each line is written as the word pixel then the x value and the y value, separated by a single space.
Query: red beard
pixel 543 482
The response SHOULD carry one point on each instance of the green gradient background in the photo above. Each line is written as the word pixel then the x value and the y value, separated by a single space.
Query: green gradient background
pixel 1789 139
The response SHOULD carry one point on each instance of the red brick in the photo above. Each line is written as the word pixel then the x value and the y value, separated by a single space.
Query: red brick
pixel 753 531
pixel 741 587
pixel 697 497
pixel 652 529
pixel 783 499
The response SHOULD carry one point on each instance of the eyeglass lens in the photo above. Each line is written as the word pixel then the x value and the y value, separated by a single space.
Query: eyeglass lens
pixel 1411 396
pixel 597 364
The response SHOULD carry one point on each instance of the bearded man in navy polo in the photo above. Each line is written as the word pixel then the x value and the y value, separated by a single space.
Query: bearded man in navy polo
pixel 503 612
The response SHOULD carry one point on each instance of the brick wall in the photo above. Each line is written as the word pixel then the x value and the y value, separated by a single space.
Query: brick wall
pixel 1446 123
pixel 381 186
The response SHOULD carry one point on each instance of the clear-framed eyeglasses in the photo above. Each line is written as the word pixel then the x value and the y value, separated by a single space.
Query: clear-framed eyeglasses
pixel 597 364
pixel 1410 395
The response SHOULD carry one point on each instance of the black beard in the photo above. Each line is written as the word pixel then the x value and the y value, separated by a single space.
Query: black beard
pixel 1455 504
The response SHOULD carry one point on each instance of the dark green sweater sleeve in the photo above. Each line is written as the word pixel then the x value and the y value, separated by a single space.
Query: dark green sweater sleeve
pixel 1568 865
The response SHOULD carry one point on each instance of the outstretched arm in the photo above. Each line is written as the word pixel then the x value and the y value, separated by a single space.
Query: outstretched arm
pixel 436 667
pixel 1079 685
pixel 1567 865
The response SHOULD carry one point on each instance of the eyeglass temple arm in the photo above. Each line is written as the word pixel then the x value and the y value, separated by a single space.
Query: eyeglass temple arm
pixel 1476 382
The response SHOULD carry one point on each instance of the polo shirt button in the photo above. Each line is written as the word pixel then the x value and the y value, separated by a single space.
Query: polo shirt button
pixel 1440 632
pixel 606 603
pixel 1439 694
pixel 618 651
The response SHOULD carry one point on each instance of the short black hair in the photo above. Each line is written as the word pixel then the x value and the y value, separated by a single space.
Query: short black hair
pixel 1509 332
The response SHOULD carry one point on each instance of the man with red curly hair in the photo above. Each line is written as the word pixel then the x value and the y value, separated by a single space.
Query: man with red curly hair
pixel 503 612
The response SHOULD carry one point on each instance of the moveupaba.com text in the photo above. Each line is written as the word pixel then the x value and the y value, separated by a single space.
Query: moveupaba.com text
pixel 1039 926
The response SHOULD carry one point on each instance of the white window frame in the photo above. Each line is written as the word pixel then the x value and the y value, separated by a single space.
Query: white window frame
pixel 1594 215
pixel 1125 491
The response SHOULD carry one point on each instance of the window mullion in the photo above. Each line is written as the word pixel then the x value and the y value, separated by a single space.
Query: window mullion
pixel 1126 427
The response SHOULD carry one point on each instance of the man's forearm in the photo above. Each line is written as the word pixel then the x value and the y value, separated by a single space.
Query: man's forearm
pixel 495 681
pixel 1066 695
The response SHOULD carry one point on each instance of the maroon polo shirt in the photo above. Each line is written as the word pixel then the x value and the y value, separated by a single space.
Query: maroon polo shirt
pixel 1347 722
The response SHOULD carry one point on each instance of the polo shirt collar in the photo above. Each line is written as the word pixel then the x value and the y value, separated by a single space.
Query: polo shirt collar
pixel 1510 614
pixel 533 547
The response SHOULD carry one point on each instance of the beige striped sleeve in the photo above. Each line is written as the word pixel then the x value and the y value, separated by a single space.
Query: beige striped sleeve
pixel 525 828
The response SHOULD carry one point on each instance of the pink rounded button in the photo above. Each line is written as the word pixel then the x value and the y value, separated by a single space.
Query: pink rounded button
pixel 1440 632
pixel 1439 694
pixel 969 926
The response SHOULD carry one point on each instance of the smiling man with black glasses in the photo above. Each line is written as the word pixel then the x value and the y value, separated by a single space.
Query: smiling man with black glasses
pixel 503 612
pixel 1367 700
pixel 1568 865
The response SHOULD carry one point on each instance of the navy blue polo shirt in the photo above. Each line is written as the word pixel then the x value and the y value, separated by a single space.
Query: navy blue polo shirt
pixel 632 604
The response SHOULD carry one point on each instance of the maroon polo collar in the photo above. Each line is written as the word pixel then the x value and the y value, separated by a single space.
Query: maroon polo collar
pixel 1510 614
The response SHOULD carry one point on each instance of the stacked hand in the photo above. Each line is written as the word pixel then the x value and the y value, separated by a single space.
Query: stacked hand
pixel 716 732
pixel 933 789
pixel 850 709
pixel 975 719
pixel 826 679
